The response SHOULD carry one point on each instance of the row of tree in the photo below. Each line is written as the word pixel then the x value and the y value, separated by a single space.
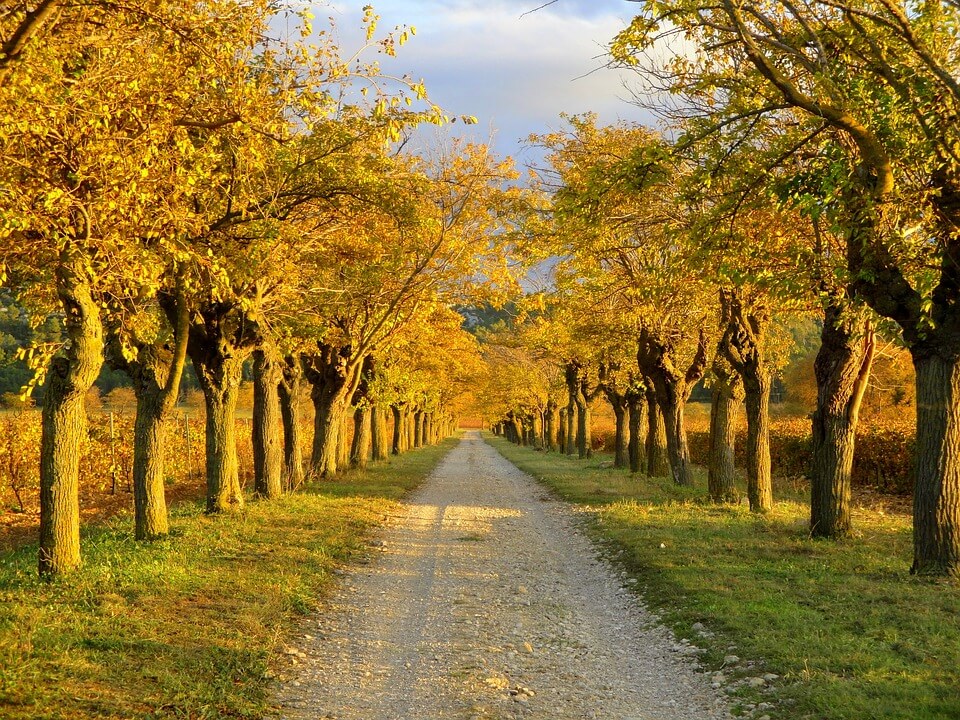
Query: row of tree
pixel 178 182
pixel 810 166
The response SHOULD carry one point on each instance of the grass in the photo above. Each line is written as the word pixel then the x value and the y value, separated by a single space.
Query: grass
pixel 186 627
pixel 851 633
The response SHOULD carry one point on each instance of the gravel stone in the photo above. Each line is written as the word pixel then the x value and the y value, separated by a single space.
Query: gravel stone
pixel 485 602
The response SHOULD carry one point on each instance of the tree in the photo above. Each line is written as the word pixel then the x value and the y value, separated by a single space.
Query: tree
pixel 430 235
pixel 92 132
pixel 882 77
pixel 625 227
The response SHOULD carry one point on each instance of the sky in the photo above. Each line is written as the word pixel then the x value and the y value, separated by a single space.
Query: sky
pixel 515 73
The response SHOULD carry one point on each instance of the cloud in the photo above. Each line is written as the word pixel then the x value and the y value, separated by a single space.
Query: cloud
pixel 515 74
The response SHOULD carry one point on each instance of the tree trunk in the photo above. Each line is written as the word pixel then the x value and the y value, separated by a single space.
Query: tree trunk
pixel 334 376
pixel 218 354
pixel 344 440
pixel 757 403
pixel 725 404
pixel 360 448
pixel 291 411
pixel 742 344
pixel 622 437
pixel 378 433
pixel 425 429
pixel 63 423
pixel 842 368
pixel 536 429
pixel 417 429
pixel 936 498
pixel 636 446
pixel 223 480
pixel 670 400
pixel 516 430
pixel 327 420
pixel 149 446
pixel 658 464
pixel 267 444
pixel 671 387
pixel 584 430
pixel 562 431
pixel 397 444
pixel 572 375
pixel 550 426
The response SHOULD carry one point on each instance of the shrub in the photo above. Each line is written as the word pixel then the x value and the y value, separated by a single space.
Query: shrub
pixel 883 457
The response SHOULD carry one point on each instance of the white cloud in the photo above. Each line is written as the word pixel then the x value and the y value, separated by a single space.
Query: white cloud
pixel 515 74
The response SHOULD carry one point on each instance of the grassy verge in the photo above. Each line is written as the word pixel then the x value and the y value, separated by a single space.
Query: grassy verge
pixel 185 627
pixel 850 633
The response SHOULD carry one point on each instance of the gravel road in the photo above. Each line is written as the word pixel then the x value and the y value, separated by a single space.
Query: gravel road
pixel 486 602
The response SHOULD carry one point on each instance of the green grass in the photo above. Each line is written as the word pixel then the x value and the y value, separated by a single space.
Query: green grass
pixel 850 632
pixel 186 627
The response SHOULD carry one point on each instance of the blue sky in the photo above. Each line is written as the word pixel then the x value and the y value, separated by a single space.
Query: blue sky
pixel 515 73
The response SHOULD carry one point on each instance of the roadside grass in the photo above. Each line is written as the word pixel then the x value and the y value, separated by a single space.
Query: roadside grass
pixel 186 627
pixel 850 632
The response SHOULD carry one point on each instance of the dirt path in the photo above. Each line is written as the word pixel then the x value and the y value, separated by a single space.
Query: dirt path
pixel 486 602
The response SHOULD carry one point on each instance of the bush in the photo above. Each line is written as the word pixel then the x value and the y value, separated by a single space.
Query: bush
pixel 121 397
pixel 14 401
pixel 883 457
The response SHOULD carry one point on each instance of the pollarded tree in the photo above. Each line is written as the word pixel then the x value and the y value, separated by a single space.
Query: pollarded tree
pixel 432 234
pixel 623 222
pixel 881 78
pixel 283 168
pixel 93 131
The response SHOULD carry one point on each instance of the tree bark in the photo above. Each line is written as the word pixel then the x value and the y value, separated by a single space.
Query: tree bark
pixel 757 404
pixel 328 411
pixel 584 421
pixel 291 411
pixel 572 374
pixel 636 446
pixel 671 403
pixel 671 387
pixel 611 383
pixel 219 342
pixel 842 369
pixel 333 376
pixel 726 400
pixel 536 430
pixel 417 429
pixel 267 443
pixel 658 464
pixel 344 440
pixel 360 448
pixel 514 428
pixel 398 423
pixel 63 421
pixel 411 429
pixel 621 457
pixel 551 425
pixel 220 399
pixel 378 433
pixel 742 345
pixel 155 373
pixel 936 500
